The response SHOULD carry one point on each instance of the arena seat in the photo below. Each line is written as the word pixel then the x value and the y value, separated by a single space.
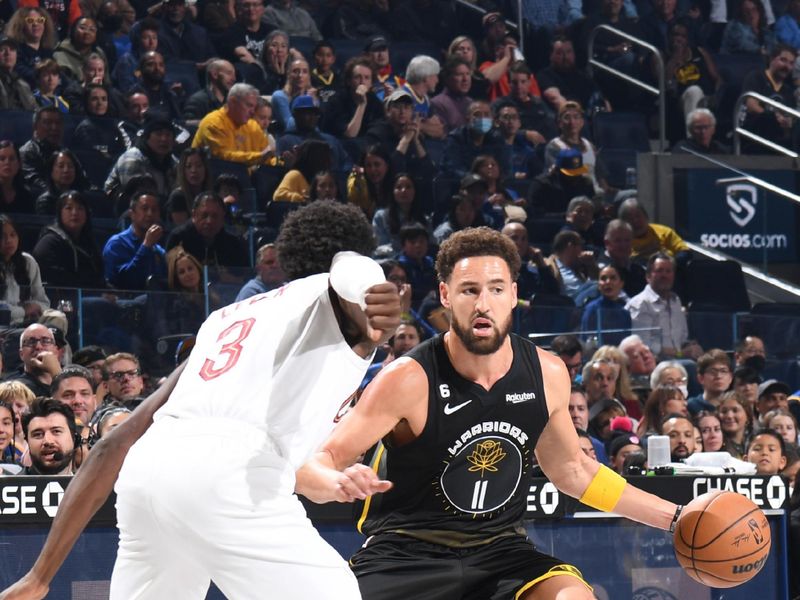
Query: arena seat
pixel 621 131
pixel 16 126
pixel 96 165
pixel 183 72
pixel 549 313
pixel 716 284
pixel 616 163
pixel 219 166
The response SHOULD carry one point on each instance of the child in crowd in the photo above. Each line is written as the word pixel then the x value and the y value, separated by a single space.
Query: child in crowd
pixel 324 187
pixel 415 260
pixel 324 77
pixel 48 78
pixel 767 451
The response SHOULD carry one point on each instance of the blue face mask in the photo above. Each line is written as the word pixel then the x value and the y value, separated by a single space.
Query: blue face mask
pixel 481 125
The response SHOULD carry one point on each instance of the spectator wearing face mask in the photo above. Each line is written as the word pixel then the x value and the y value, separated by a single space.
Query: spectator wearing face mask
pixel 464 144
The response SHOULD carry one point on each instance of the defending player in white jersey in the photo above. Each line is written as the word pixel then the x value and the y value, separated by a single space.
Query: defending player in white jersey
pixel 207 493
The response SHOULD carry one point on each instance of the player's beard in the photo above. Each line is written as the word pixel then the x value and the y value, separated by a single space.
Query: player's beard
pixel 481 345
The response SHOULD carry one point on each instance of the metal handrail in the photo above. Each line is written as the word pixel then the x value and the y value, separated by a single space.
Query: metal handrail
pixel 658 92
pixel 744 176
pixel 518 25
pixel 739 131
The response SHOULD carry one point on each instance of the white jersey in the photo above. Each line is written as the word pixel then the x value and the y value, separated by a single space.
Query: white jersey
pixel 277 361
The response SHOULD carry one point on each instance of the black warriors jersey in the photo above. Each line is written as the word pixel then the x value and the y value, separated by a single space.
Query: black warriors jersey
pixel 466 476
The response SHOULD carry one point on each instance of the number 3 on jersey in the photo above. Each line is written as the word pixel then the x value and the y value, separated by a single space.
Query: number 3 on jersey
pixel 230 351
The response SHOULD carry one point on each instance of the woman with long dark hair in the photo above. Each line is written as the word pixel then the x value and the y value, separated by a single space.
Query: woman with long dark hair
pixel 313 156
pixel 64 173
pixel 298 82
pixel 20 280
pixel 462 214
pixel 13 196
pixel 66 249
pixel 369 185
pixel 748 32
pixel 404 207
pixel 194 176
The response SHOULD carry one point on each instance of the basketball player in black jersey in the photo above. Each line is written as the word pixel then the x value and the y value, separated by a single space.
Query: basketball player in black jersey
pixel 460 419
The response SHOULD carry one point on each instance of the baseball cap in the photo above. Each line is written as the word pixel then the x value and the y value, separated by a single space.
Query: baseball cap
pixel 156 121
pixel 305 102
pixel 773 385
pixel 7 41
pixel 619 441
pixel 471 179
pixel 376 42
pixel 54 318
pixel 605 404
pixel 570 162
pixel 399 95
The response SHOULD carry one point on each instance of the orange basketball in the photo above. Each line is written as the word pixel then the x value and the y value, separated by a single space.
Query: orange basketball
pixel 722 539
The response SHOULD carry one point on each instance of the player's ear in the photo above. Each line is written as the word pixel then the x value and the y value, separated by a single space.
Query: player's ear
pixel 514 294
pixel 444 294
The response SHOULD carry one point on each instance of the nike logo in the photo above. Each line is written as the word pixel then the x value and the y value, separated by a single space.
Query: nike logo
pixel 449 410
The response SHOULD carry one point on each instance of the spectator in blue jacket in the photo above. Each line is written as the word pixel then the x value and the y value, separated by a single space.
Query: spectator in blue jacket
pixel 608 311
pixel 130 257
pixel 787 27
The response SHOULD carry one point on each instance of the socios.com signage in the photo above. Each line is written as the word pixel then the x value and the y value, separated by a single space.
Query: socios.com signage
pixel 738 219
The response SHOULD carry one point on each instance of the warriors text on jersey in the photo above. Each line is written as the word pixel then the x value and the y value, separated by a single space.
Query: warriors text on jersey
pixel 464 478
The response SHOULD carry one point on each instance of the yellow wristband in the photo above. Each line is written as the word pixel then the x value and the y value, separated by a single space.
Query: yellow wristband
pixel 605 490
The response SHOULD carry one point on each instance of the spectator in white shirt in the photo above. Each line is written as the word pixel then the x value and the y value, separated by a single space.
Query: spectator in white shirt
pixel 657 309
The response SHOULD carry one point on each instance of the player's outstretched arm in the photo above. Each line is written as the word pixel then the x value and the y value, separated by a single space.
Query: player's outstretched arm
pixel 86 494
pixel 398 395
pixel 579 476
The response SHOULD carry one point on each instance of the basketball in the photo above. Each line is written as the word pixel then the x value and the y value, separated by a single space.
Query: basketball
pixel 722 539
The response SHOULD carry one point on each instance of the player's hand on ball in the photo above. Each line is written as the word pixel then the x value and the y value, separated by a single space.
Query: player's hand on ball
pixel 383 311
pixel 357 482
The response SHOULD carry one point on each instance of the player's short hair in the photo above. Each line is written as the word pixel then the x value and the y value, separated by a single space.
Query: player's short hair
pixel 476 241
pixel 311 236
